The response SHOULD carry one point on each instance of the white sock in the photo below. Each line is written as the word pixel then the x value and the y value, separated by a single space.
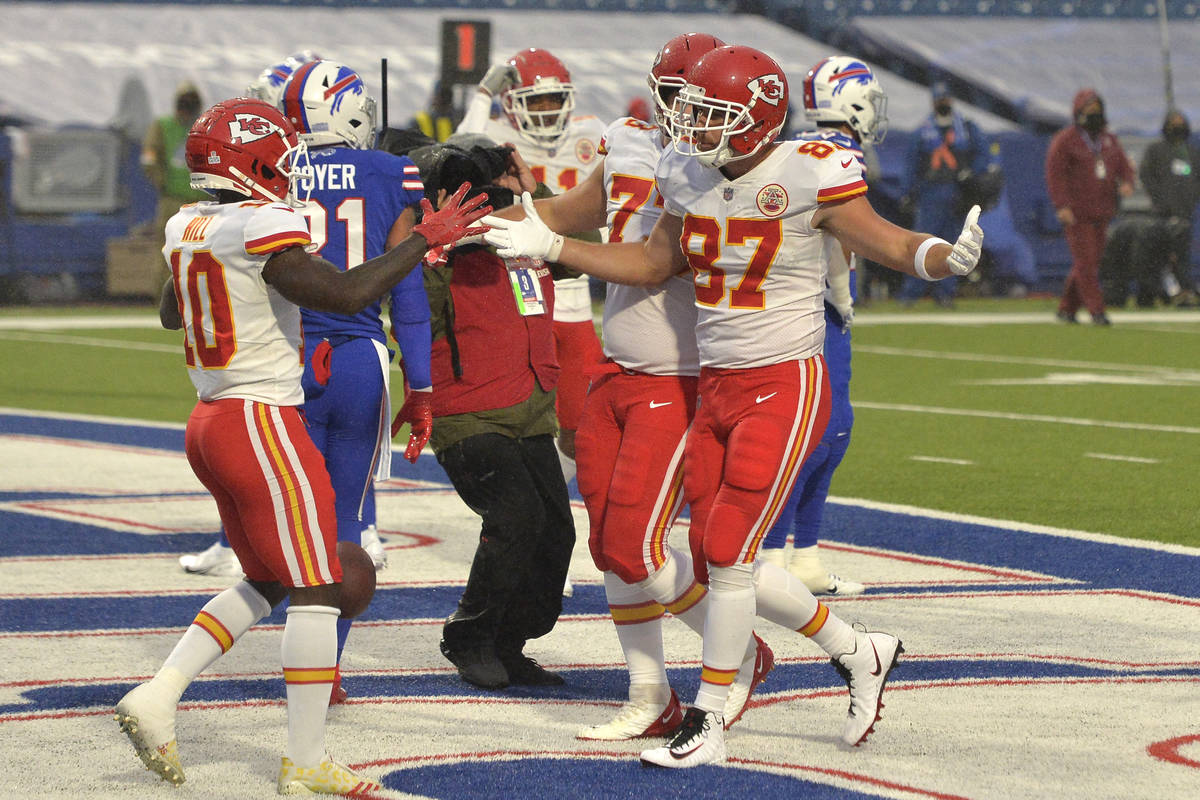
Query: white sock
pixel 219 624
pixel 309 656
pixel 784 599
pixel 730 618
pixel 675 586
pixel 638 620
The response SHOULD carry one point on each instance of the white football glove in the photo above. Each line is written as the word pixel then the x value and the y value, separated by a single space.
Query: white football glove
pixel 529 237
pixel 498 78
pixel 969 247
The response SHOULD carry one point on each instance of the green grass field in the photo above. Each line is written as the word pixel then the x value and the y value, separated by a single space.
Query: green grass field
pixel 1068 426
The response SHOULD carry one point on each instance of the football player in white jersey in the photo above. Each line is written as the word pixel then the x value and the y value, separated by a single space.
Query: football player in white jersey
pixel 240 270
pixel 636 416
pixel 561 149
pixel 750 217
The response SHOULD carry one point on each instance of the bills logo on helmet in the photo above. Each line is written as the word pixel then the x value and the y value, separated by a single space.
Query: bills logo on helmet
pixel 346 83
pixel 246 128
pixel 768 88
pixel 855 72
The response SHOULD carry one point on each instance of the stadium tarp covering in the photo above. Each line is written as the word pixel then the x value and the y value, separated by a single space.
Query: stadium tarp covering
pixel 1041 63
pixel 68 63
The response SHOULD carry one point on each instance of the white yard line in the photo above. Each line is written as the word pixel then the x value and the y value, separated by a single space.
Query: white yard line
pixel 1012 525
pixel 945 355
pixel 89 341
pixel 969 412
pixel 937 460
pixel 867 317
pixel 1130 459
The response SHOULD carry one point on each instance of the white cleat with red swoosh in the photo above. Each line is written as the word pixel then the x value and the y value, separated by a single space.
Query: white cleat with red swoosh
pixel 865 670
pixel 700 740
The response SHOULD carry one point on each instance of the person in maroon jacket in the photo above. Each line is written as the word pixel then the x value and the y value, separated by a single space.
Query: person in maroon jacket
pixel 1085 171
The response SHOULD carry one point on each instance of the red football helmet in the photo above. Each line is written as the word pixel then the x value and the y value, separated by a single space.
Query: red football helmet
pixel 245 145
pixel 736 91
pixel 540 74
pixel 671 66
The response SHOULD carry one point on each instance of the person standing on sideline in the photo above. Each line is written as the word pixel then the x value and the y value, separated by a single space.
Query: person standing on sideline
pixel 162 154
pixel 561 149
pixel 844 98
pixel 1170 171
pixel 240 271
pixel 636 417
pixel 749 216
pixel 947 151
pixel 1085 171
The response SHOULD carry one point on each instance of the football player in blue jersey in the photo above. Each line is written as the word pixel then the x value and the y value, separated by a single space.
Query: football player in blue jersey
pixel 849 107
pixel 361 202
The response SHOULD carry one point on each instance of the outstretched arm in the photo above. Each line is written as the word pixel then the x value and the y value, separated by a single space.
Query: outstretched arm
pixel 857 226
pixel 646 263
pixel 581 208
pixel 314 283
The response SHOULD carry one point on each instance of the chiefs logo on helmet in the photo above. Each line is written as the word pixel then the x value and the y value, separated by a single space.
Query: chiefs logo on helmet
pixel 246 128
pixel 768 88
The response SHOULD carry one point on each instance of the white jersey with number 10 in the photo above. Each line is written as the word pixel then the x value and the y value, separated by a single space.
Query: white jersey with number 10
pixel 241 337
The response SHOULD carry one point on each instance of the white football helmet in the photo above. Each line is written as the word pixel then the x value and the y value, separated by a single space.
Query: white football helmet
pixel 844 89
pixel 328 103
pixel 268 86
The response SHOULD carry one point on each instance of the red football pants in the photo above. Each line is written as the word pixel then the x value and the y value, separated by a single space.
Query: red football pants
pixel 271 488
pixel 751 434
pixel 629 453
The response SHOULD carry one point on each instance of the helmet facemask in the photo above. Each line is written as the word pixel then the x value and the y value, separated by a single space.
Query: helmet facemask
pixel 665 90
pixel 540 127
pixel 695 117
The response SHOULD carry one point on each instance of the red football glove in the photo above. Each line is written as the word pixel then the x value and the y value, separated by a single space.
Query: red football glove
pixel 321 362
pixel 418 413
pixel 452 221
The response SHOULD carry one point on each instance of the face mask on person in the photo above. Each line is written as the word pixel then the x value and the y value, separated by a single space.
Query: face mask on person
pixel 943 110
pixel 1093 122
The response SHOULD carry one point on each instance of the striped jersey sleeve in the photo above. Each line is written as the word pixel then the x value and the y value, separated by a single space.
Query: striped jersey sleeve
pixel 276 227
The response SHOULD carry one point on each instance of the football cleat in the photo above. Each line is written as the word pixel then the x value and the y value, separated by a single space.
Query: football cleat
pixel 865 670
pixel 329 777
pixel 805 564
pixel 217 560
pixel 700 740
pixel 640 718
pixel 370 541
pixel 150 726
pixel 835 585
pixel 751 674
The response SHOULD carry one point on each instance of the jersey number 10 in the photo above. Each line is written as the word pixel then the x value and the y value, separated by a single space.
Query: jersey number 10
pixel 204 307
